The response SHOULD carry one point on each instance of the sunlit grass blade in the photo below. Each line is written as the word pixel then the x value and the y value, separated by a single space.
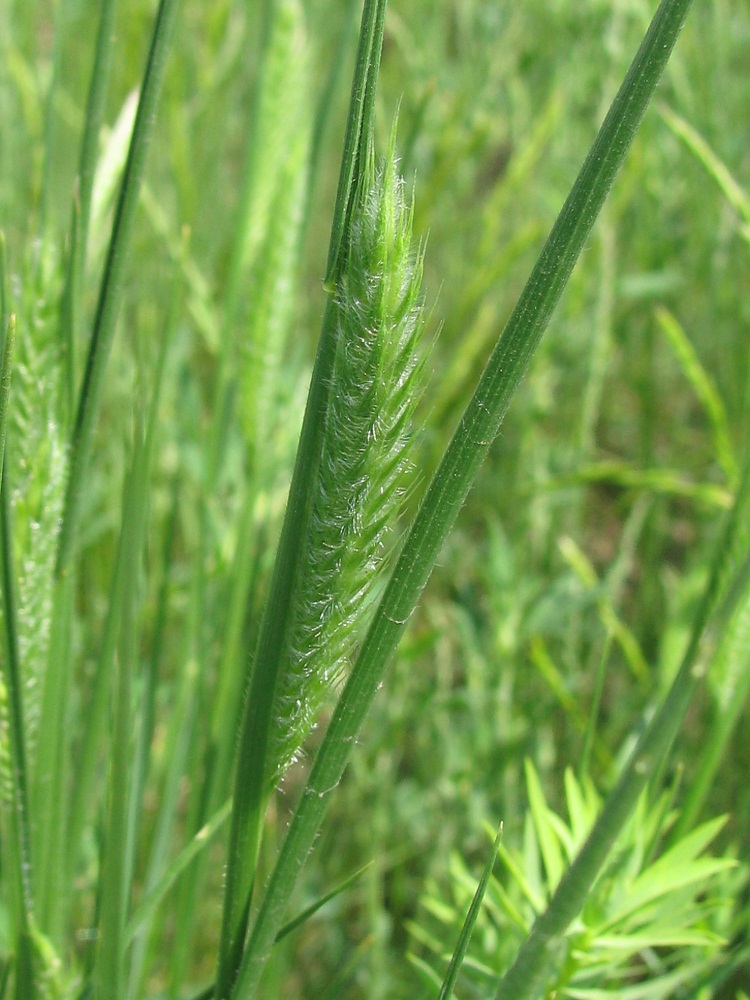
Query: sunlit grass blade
pixel 451 483
pixel 110 291
pixel 70 310
pixel 661 482
pixel 462 945
pixel 94 117
pixel 251 777
pixel 735 194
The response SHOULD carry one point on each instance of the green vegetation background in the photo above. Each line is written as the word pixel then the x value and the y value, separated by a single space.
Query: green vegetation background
pixel 602 497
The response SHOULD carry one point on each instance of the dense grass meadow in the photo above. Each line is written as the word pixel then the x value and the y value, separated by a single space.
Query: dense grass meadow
pixel 180 234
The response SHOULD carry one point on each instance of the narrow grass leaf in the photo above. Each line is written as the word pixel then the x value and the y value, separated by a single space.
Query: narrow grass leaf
pixel 476 431
pixel 110 291
pixel 98 88
pixel 705 389
pixel 549 844
pixel 462 945
pixel 108 176
pixel 311 910
pixel 667 482
pixel 729 683
pixel 430 978
pixel 613 624
pixel 596 700
pixel 735 194
pixel 655 938
pixel 360 130
pixel 151 901
pixel 70 311
pixel 655 988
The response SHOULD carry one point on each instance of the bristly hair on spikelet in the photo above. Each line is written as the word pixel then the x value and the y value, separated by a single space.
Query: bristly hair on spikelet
pixel 375 387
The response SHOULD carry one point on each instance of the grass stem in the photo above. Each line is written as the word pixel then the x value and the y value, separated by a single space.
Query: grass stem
pixel 251 787
pixel 450 485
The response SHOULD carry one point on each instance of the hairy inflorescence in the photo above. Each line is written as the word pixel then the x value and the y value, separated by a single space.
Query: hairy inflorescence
pixel 375 386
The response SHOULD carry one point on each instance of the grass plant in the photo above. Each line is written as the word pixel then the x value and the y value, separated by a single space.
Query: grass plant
pixel 196 623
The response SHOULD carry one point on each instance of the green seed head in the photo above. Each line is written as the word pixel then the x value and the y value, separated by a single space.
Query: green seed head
pixel 375 386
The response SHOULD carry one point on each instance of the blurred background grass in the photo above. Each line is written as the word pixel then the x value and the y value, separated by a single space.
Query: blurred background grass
pixel 603 494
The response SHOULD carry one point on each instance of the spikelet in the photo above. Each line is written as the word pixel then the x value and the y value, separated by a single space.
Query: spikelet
pixel 375 386
pixel 37 462
pixel 272 211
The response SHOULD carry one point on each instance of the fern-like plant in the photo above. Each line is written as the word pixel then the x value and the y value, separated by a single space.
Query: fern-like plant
pixel 657 921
